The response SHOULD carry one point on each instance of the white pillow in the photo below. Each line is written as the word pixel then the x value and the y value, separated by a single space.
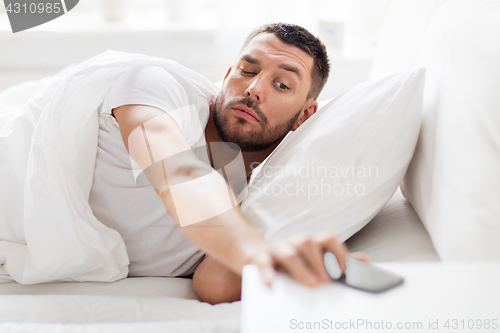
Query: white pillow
pixel 453 181
pixel 338 169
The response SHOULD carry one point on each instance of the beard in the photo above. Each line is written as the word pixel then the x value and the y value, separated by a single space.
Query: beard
pixel 253 141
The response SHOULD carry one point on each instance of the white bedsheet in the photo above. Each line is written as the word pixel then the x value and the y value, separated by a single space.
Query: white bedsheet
pixel 136 287
pixel 181 326
pixel 144 304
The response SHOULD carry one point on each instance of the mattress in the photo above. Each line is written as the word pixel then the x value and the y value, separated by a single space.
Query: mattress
pixel 152 304
pixel 133 304
pixel 395 234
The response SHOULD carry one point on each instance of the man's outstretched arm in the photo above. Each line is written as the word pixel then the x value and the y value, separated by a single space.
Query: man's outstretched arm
pixel 227 238
pixel 214 283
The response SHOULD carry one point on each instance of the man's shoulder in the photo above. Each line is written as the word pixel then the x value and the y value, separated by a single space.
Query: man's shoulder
pixel 150 73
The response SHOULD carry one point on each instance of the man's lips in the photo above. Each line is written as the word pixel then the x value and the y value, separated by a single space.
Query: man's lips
pixel 245 113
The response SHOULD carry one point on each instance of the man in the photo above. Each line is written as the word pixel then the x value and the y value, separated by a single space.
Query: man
pixel 270 90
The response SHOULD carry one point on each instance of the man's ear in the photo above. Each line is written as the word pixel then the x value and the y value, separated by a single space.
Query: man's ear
pixel 228 71
pixel 310 108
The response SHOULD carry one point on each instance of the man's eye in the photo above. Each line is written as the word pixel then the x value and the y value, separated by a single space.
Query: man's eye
pixel 246 73
pixel 281 85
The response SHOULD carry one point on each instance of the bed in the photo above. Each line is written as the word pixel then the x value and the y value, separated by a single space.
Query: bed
pixel 153 304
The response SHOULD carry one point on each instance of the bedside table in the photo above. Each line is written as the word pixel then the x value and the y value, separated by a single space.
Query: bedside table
pixel 435 297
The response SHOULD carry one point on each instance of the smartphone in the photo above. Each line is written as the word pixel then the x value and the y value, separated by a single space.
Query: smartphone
pixel 361 275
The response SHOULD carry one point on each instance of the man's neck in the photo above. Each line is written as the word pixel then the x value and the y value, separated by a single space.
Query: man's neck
pixel 250 159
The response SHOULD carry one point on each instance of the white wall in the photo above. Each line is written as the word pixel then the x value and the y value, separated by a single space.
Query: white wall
pixel 204 35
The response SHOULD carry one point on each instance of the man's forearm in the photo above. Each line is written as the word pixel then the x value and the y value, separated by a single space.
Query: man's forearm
pixel 198 199
pixel 227 237
pixel 195 195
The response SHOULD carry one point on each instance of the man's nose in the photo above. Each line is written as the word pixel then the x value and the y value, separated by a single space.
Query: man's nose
pixel 255 90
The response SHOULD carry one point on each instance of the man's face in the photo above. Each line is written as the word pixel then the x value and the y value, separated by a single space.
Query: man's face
pixel 264 94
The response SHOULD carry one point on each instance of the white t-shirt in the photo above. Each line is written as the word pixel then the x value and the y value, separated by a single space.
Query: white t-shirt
pixel 155 245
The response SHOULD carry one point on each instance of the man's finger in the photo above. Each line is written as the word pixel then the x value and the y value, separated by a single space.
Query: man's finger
pixel 330 243
pixel 267 274
pixel 312 253
pixel 360 256
pixel 266 268
pixel 287 256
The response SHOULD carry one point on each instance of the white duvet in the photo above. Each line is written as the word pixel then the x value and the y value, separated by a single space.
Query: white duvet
pixel 47 156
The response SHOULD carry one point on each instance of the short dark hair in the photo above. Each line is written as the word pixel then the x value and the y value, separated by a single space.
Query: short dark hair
pixel 301 38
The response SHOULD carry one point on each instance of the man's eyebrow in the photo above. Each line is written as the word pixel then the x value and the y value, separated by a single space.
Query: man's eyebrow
pixel 250 59
pixel 292 69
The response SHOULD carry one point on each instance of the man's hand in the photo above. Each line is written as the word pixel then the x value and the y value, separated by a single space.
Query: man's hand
pixel 302 257
pixel 299 256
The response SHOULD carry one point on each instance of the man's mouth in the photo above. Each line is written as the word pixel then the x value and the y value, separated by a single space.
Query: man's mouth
pixel 245 113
